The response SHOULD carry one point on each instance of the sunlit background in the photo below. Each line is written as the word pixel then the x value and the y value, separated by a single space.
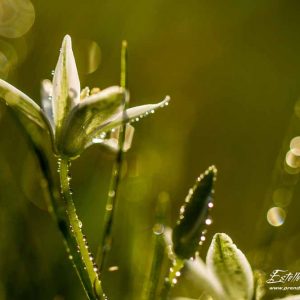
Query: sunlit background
pixel 232 69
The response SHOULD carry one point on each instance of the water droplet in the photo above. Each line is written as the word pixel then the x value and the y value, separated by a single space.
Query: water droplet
pixel 52 72
pixel 70 257
pixel 202 238
pixel 80 226
pixel 109 207
pixel 178 273
pixel 174 281
pixel 276 216
pixel 208 221
pixel 111 193
pixel 158 229
pixel 210 205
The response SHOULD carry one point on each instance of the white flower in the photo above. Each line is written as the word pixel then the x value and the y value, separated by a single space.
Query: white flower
pixel 74 119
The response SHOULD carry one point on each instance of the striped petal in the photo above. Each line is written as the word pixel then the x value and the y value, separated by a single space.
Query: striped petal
pixel 89 114
pixel 231 267
pixel 131 115
pixel 23 104
pixel 66 85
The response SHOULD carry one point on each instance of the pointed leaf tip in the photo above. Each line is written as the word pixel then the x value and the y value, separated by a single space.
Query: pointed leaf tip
pixel 193 218
pixel 231 267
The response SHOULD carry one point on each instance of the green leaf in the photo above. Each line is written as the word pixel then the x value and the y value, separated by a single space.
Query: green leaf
pixel 88 115
pixel 231 267
pixel 206 279
pixel 20 102
pixel 66 84
pixel 193 215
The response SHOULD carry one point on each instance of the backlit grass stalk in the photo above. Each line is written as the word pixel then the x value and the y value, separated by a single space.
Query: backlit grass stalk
pixel 113 192
pixel 171 278
pixel 152 282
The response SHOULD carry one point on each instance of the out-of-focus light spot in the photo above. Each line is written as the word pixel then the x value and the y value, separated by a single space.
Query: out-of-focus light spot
pixel 16 17
pixel 88 55
pixel 282 197
pixel 113 268
pixel 295 145
pixel 4 65
pixel 292 160
pixel 8 58
pixel 297 109
pixel 276 216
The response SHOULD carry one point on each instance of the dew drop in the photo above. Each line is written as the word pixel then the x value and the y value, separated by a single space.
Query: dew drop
pixel 208 221
pixel 52 72
pixel 79 224
pixel 111 193
pixel 158 229
pixel 109 207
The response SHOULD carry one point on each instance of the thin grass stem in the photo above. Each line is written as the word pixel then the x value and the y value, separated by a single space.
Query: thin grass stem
pixel 106 241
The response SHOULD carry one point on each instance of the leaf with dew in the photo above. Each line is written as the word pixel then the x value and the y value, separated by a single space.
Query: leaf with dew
pixel 194 215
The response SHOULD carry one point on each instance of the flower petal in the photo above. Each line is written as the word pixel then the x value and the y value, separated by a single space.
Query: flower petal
pixel 113 142
pixel 131 115
pixel 46 99
pixel 89 114
pixel 66 84
pixel 23 104
pixel 206 279
pixel 231 266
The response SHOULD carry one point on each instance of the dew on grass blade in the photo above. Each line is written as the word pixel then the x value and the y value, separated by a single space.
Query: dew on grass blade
pixel 194 216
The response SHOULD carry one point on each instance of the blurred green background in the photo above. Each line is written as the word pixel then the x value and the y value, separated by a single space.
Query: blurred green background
pixel 232 69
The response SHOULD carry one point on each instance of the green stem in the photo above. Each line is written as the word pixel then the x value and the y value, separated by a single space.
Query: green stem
pixel 171 278
pixel 113 192
pixel 157 261
pixel 76 241
pixel 57 210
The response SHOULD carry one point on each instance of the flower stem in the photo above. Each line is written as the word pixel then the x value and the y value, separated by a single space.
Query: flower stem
pixel 171 278
pixel 111 202
pixel 76 241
